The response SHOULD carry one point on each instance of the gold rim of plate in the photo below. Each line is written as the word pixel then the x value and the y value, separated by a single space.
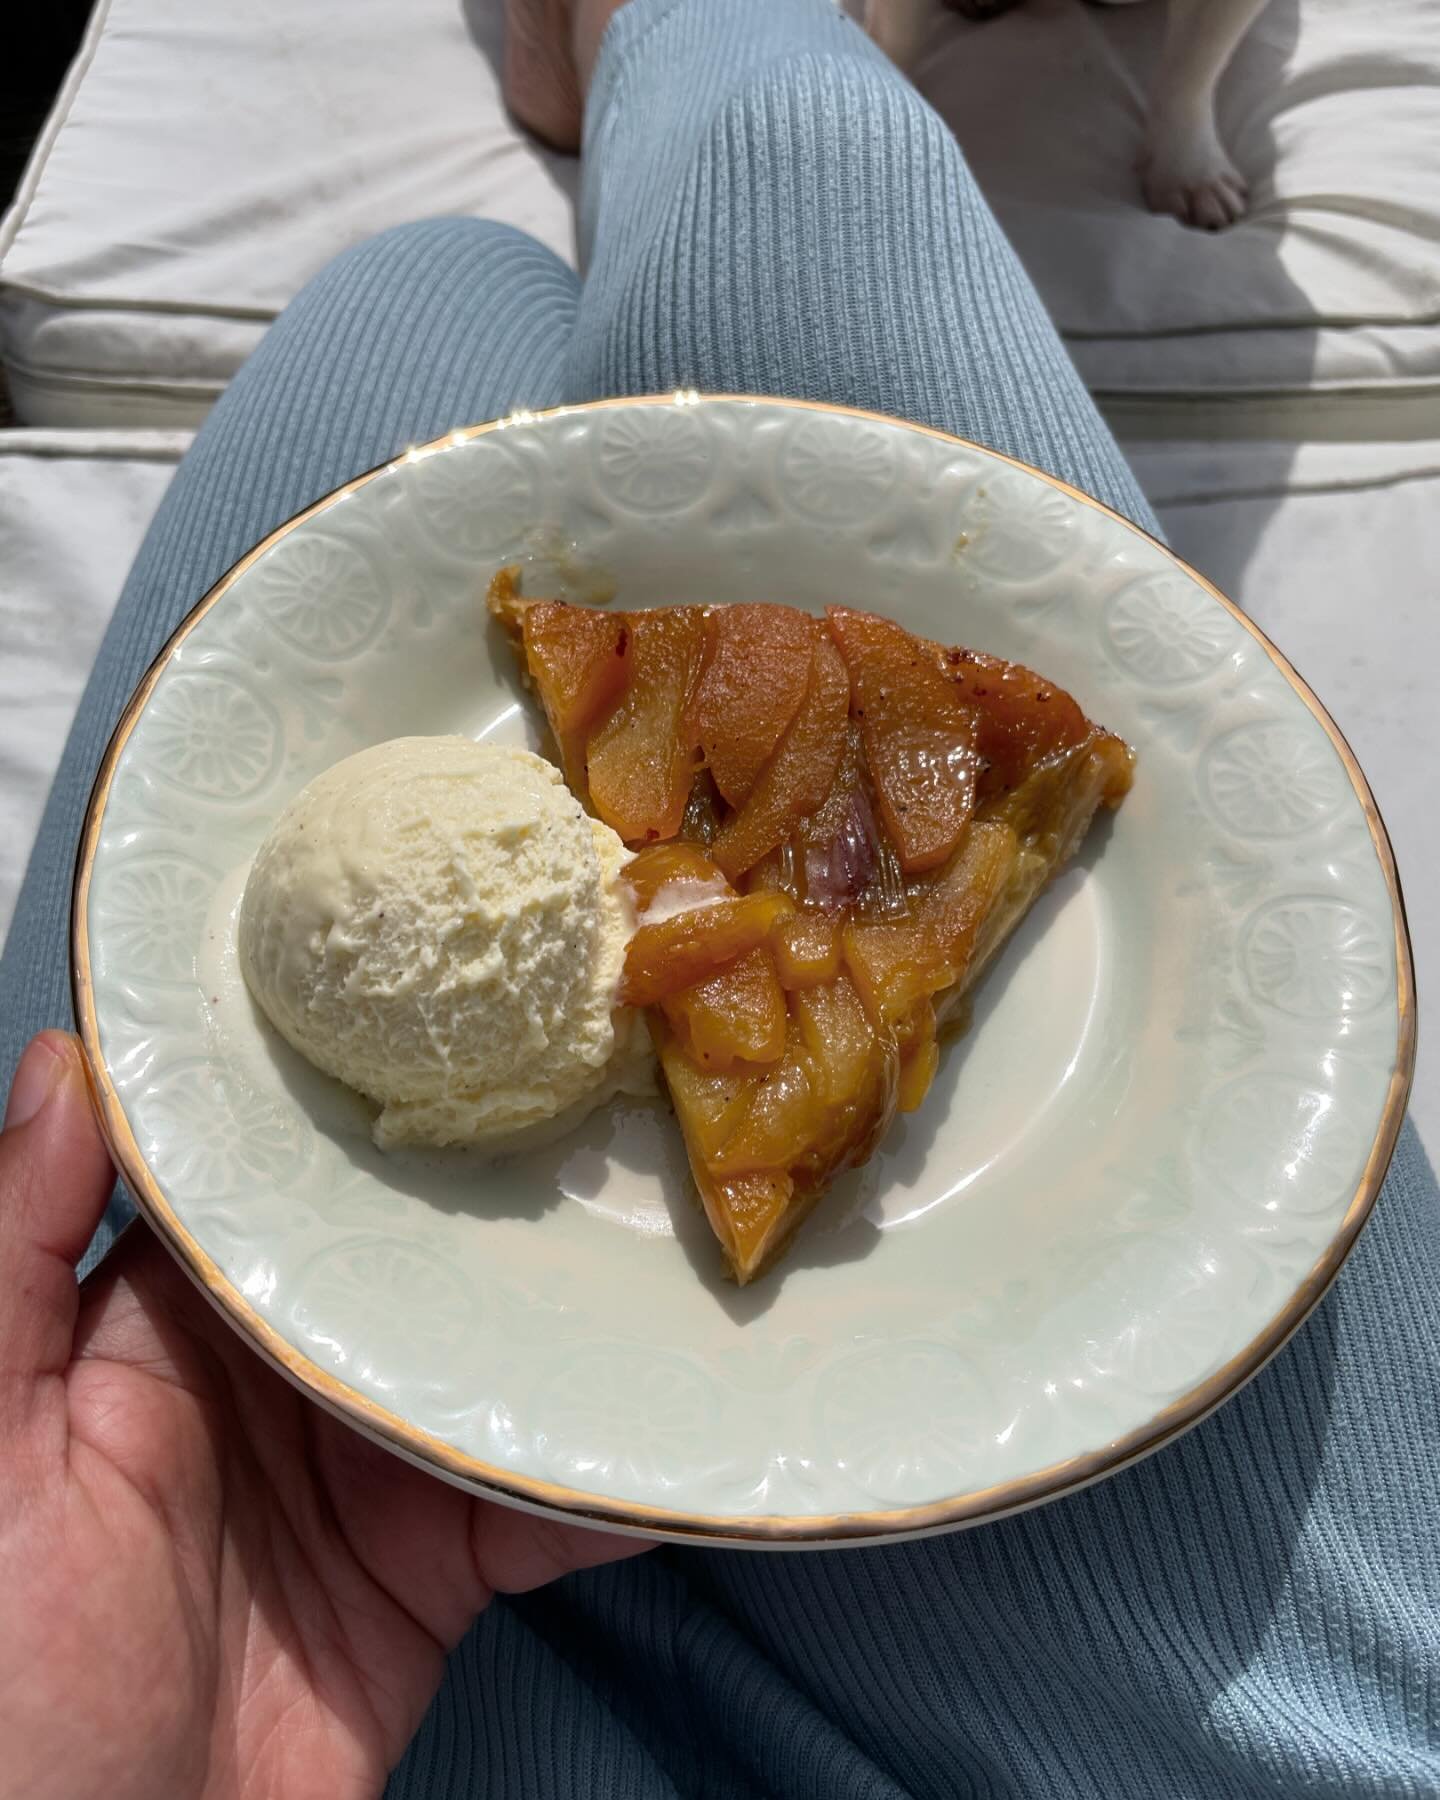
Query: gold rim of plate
pixel 483 1478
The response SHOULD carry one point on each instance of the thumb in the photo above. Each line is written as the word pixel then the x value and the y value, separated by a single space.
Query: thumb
pixel 55 1177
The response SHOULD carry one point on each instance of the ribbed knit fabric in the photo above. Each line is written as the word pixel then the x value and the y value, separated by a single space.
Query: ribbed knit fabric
pixel 1254 1611
pixel 1251 1612
pixel 424 328
pixel 768 208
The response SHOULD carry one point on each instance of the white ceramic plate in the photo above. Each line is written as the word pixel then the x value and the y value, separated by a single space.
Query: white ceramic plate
pixel 1132 1179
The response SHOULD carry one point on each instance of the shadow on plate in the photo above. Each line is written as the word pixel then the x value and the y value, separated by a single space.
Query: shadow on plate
pixel 451 1181
pixel 633 1151
pixel 910 1143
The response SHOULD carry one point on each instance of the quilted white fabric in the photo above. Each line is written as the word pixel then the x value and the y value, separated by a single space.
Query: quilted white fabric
pixel 209 155
pixel 73 508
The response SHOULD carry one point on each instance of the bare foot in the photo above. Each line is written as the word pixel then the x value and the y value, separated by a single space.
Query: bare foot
pixel 542 87
pixel 1184 170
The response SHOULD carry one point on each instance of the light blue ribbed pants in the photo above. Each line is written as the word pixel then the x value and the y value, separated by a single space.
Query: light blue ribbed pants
pixel 1255 1610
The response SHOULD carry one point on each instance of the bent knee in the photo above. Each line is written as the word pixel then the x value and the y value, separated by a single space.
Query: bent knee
pixel 425 265
pixel 422 243
pixel 835 107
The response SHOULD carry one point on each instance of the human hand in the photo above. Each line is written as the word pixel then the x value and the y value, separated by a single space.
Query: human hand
pixel 210 1587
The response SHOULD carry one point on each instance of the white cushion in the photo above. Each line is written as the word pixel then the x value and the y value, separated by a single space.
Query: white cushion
pixel 206 157
pixel 73 508
pixel 1330 284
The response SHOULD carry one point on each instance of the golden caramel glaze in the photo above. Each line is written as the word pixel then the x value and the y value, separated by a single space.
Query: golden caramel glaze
pixel 837 824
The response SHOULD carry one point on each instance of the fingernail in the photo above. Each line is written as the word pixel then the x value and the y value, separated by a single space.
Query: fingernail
pixel 36 1079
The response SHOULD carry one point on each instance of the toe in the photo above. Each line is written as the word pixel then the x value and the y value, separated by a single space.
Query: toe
pixel 1206 208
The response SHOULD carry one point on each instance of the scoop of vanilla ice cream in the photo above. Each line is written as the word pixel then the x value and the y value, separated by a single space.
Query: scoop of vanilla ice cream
pixel 439 924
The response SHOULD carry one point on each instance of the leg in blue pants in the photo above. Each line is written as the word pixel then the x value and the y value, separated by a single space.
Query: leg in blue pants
pixel 1255 1610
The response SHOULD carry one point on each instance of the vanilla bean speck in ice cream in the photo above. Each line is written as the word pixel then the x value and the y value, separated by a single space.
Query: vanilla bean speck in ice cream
pixel 440 925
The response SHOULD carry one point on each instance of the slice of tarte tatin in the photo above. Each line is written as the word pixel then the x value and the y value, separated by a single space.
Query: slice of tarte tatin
pixel 836 826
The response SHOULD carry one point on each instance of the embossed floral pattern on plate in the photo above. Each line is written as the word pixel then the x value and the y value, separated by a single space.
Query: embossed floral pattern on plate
pixel 213 735
pixel 1058 1251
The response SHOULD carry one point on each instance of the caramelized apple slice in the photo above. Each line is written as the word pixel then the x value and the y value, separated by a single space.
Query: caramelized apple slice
pixel 822 1109
pixel 754 1217
pixel 756 675
pixel 579 663
pixel 799 775
pixel 1051 809
pixel 641 759
pixel 780 1122
pixel 919 737
pixel 919 1055
pixel 709 1104
pixel 737 1015
pixel 751 1215
pixel 677 869
pixel 917 1073
pixel 576 659
pixel 1020 718
pixel 896 962
pixel 835 1029
pixel 806 949
pixel 677 952
pixel 825 1105
pixel 858 1068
